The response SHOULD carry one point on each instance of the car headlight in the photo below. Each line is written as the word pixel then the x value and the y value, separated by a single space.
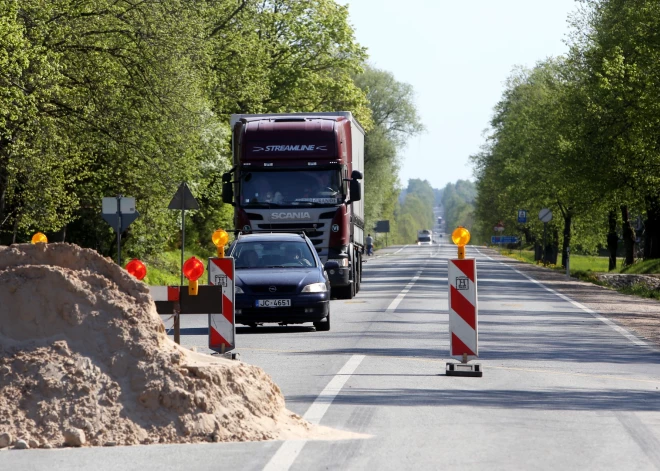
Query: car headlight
pixel 238 290
pixel 315 288
pixel 343 262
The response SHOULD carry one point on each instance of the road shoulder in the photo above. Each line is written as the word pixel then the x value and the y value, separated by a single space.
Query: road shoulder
pixel 640 316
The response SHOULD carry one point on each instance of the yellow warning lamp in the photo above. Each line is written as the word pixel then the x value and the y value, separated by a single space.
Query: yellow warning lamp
pixel 193 269
pixel 136 268
pixel 39 238
pixel 220 239
pixel 460 237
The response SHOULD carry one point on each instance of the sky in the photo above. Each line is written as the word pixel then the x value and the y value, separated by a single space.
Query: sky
pixel 457 55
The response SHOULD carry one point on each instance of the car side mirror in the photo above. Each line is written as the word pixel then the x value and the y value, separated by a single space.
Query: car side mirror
pixel 331 265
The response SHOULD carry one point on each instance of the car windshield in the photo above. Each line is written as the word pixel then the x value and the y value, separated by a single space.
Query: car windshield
pixel 273 254
pixel 294 188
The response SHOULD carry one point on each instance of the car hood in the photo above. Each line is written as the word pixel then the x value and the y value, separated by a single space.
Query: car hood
pixel 278 276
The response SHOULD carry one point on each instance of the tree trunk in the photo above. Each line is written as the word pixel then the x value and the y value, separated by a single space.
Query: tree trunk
pixel 567 238
pixel 13 238
pixel 652 228
pixel 529 238
pixel 4 179
pixel 612 240
pixel 628 236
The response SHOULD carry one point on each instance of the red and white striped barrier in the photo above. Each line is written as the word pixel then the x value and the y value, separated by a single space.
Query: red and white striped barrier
pixel 162 294
pixel 463 312
pixel 222 328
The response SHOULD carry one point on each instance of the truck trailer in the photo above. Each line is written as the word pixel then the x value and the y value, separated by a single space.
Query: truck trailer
pixel 302 172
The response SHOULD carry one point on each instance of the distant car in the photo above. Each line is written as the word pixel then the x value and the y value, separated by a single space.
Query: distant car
pixel 280 279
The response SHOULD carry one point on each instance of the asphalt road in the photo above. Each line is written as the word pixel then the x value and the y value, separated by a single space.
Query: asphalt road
pixel 561 389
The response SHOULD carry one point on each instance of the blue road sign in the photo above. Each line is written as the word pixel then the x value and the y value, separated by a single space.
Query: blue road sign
pixel 522 216
pixel 504 240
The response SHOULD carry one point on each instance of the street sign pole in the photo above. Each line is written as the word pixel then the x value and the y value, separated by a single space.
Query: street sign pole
pixel 545 228
pixel 183 235
pixel 119 212
pixel 183 199
pixel 119 230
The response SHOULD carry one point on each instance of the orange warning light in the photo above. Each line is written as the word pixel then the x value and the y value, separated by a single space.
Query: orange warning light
pixel 460 236
pixel 136 268
pixel 39 238
pixel 220 239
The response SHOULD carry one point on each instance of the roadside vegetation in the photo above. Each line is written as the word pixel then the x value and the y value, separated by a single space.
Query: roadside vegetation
pixel 100 98
pixel 577 134
pixel 588 267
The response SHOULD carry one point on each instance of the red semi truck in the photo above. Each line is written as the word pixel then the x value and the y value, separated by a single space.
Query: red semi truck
pixel 301 172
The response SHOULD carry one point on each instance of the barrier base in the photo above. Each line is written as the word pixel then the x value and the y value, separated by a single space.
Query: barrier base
pixel 464 369
pixel 229 355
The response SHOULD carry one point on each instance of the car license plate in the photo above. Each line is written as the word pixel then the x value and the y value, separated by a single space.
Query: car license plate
pixel 273 303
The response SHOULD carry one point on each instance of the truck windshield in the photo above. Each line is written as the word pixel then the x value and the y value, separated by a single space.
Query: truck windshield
pixel 291 187
pixel 273 255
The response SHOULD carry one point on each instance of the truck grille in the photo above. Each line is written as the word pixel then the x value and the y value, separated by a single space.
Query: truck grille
pixel 309 230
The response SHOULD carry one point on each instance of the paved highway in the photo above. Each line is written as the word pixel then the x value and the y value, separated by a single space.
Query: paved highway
pixel 561 389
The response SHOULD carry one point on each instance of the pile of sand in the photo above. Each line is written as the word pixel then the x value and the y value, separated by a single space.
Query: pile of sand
pixel 84 360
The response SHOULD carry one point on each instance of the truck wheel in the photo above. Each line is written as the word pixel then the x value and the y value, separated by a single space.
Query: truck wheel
pixel 358 273
pixel 342 292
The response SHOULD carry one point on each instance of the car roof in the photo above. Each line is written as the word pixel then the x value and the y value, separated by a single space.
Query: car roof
pixel 271 236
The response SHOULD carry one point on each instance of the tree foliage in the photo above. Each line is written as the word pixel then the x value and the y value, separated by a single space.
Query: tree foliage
pixel 107 97
pixel 578 134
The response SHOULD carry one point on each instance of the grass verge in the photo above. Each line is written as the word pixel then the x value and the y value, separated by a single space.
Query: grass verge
pixel 586 268
pixel 165 269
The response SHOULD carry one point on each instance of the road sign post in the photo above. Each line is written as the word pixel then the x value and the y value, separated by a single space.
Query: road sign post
pixel 183 199
pixel 119 212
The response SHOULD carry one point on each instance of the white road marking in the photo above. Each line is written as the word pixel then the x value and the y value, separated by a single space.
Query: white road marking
pixel 627 334
pixel 290 449
pixel 395 303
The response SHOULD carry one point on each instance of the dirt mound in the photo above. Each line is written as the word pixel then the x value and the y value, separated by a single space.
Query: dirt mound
pixel 84 359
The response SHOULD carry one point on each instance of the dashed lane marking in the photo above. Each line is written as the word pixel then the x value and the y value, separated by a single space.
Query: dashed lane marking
pixel 290 449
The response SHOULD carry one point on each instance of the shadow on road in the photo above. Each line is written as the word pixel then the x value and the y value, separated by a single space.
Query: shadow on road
pixel 550 399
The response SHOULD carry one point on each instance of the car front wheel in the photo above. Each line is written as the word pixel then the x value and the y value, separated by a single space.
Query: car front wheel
pixel 324 325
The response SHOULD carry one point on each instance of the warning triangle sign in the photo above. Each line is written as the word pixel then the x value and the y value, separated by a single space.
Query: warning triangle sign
pixel 183 199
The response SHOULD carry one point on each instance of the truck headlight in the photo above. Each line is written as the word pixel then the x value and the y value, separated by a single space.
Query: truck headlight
pixel 238 290
pixel 315 288
pixel 343 262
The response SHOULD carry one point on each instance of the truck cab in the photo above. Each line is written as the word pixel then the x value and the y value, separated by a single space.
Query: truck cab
pixel 302 172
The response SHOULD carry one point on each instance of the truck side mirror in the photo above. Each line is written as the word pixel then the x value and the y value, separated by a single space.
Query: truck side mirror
pixel 356 175
pixel 356 189
pixel 227 192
